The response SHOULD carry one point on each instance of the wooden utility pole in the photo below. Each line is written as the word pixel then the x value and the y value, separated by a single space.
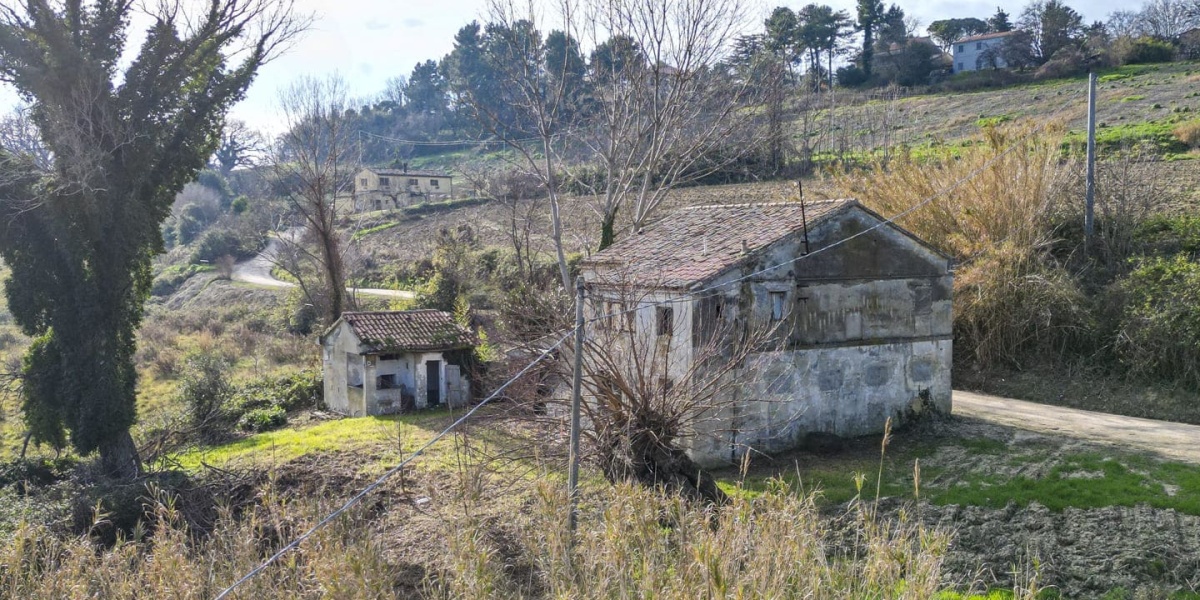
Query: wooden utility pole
pixel 1088 216
pixel 576 399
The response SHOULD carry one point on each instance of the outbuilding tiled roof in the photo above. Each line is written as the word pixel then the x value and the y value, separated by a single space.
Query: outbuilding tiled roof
pixel 410 173
pixel 409 330
pixel 695 244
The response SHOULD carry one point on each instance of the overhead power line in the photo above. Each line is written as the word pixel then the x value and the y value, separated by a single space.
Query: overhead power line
pixel 391 472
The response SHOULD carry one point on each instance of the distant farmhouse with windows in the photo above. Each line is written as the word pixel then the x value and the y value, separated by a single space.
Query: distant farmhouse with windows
pixel 377 189
pixel 980 52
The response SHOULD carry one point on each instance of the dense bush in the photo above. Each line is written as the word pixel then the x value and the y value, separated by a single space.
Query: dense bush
pixel 297 391
pixel 1147 50
pixel 216 243
pixel 1067 62
pixel 1160 327
pixel 205 390
pixel 263 419
pixel 852 76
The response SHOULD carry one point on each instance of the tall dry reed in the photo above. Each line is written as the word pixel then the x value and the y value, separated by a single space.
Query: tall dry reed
pixel 635 542
pixel 996 210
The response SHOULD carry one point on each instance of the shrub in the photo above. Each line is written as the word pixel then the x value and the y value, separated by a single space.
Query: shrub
pixel 852 76
pixel 205 390
pixel 189 223
pixel 297 391
pixel 1012 306
pixel 239 205
pixel 1189 133
pixel 263 419
pixel 1065 63
pixel 1148 50
pixel 1160 330
pixel 219 242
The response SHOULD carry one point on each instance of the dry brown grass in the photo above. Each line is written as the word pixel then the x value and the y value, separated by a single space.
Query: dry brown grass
pixel 1189 133
pixel 1011 297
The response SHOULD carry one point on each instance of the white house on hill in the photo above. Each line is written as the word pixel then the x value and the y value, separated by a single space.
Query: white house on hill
pixel 980 52
pixel 392 361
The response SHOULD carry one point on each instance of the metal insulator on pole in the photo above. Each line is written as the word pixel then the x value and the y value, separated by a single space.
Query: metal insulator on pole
pixel 576 399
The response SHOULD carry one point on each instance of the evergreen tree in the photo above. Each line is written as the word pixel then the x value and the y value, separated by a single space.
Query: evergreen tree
pixel 870 13
pixel 425 91
pixel 999 22
pixel 125 138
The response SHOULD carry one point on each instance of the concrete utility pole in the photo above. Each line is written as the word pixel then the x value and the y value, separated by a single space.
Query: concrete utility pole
pixel 1088 216
pixel 576 399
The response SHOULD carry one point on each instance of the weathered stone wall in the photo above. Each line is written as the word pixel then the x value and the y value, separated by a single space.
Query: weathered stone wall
pixel 336 345
pixel 846 391
pixel 865 334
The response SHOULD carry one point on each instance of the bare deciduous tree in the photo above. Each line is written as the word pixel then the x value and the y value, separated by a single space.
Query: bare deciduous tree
pixel 240 146
pixel 662 113
pixel 314 165
pixel 19 135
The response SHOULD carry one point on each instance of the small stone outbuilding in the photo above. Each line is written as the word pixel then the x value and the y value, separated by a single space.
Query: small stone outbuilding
pixel 394 361
pixel 860 311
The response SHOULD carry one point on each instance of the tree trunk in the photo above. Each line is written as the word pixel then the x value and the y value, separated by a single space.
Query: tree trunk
pixel 608 225
pixel 642 459
pixel 333 274
pixel 556 219
pixel 119 458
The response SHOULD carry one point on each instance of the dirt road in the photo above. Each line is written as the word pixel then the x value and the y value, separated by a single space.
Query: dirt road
pixel 1177 441
pixel 257 271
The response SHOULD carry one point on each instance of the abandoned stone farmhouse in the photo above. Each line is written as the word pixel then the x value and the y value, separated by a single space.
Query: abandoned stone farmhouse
pixel 377 189
pixel 854 315
pixel 393 361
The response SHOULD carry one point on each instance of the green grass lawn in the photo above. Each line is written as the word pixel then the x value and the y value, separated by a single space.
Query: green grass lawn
pixel 987 472
pixel 398 434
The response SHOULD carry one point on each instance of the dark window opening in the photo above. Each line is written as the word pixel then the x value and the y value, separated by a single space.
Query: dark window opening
pixel 666 320
pixel 389 357
pixel 433 183
pixel 778 305
pixel 386 382
pixel 413 182
pixel 384 182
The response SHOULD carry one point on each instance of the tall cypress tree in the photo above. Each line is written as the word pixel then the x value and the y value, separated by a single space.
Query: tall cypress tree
pixel 80 236
pixel 870 13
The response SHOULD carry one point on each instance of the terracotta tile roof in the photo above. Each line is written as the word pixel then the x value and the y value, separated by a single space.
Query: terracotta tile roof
pixel 695 244
pixel 409 330
pixel 985 36
pixel 410 173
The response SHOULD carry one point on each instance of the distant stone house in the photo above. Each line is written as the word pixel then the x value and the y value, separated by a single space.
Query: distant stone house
pixel 392 361
pixel 377 189
pixel 861 331
pixel 979 52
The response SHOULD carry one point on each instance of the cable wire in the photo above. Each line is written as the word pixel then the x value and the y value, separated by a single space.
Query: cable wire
pixel 697 294
pixel 391 472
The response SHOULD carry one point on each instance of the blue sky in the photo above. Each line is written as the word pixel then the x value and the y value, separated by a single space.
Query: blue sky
pixel 369 41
